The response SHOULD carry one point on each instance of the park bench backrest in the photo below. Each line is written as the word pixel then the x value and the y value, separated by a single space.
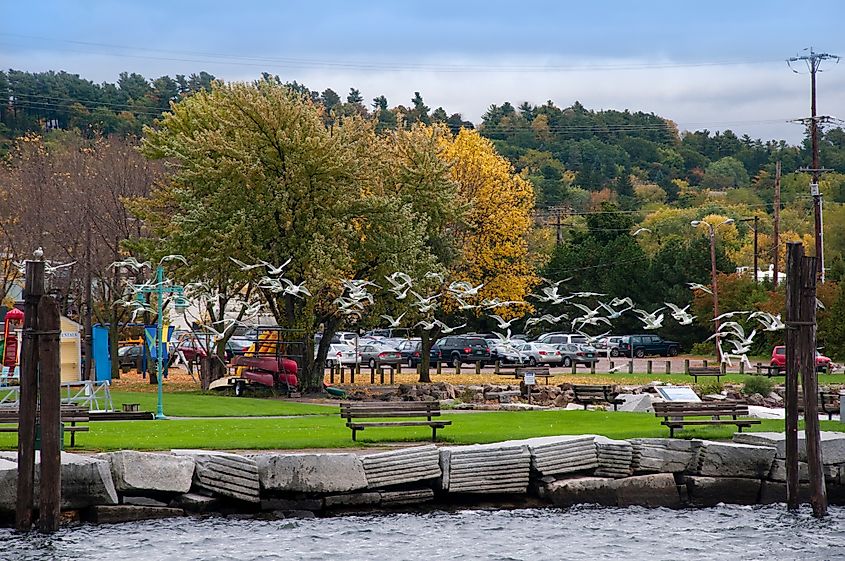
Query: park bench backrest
pixel 382 409
pixel 703 409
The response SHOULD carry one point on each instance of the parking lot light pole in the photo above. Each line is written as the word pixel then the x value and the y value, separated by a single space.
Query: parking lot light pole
pixel 713 273
pixel 181 304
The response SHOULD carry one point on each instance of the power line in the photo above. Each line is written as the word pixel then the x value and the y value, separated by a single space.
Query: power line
pixel 242 60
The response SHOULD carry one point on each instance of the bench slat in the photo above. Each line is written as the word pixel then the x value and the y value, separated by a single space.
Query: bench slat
pixel 400 424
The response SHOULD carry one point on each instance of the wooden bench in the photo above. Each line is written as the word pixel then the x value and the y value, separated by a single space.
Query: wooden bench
pixel 769 370
pixel 705 371
pixel 591 394
pixel 387 410
pixel 676 414
pixel 828 403
pixel 520 371
pixel 70 415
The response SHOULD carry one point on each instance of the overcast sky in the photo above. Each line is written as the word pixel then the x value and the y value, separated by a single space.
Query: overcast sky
pixel 715 64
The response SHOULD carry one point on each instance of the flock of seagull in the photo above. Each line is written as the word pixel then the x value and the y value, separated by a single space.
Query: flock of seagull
pixel 357 295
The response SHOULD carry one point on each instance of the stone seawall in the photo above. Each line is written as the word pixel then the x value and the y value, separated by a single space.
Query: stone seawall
pixel 560 471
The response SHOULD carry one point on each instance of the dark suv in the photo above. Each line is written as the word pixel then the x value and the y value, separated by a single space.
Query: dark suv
pixel 460 349
pixel 642 345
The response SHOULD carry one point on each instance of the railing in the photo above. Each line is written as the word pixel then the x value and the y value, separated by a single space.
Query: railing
pixel 95 396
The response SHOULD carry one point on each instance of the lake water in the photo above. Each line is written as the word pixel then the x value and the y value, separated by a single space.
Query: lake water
pixel 721 533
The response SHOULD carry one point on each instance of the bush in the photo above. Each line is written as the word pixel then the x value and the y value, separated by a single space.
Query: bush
pixel 758 384
pixel 706 348
pixel 709 388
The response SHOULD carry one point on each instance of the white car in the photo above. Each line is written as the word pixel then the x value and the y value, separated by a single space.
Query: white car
pixel 540 353
pixel 341 354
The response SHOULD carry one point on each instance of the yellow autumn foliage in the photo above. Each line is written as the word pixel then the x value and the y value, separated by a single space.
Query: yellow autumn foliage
pixel 492 236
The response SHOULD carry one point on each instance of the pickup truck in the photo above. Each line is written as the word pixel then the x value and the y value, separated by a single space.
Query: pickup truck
pixel 642 345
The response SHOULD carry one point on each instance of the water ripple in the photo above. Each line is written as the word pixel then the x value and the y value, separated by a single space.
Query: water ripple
pixel 720 533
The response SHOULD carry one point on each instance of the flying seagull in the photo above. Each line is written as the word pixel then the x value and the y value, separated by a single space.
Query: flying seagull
pixel 696 286
pixel 394 322
pixel 244 266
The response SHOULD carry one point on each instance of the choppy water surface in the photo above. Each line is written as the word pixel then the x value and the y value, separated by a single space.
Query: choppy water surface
pixel 723 533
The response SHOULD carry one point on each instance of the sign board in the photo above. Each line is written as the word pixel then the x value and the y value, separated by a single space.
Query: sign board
pixel 677 393
pixel 530 379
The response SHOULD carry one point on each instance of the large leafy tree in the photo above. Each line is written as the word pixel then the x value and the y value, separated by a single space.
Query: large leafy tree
pixel 257 175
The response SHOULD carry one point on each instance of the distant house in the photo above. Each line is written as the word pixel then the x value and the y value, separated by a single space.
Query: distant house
pixel 763 274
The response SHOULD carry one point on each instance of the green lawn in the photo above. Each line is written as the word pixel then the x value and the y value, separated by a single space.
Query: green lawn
pixel 330 431
pixel 195 404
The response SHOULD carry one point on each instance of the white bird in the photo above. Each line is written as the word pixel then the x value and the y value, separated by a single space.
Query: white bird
pixel 434 275
pixel 295 289
pixel 639 231
pixel 501 321
pixel 590 321
pixel 51 269
pixel 38 253
pixel 591 339
pixel 492 303
pixel 464 288
pixel 445 329
pixel 421 300
pixel 424 308
pixel 400 293
pixel 613 313
pixel 244 266
pixel 403 277
pixel 272 269
pixel 555 283
pixel 727 315
pixel 131 263
pixel 616 302
pixel 588 313
pixel 651 320
pixel 819 304
pixel 768 321
pixel 588 294
pixel 394 322
pixel 680 314
pixel 173 257
pixel 613 370
pixel 427 325
pixel 273 285
pixel 463 305
pixel 696 286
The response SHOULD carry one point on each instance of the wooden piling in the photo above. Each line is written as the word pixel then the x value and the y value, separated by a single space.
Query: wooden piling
pixel 342 375
pixel 380 374
pixel 28 399
pixel 668 367
pixel 478 367
pixel 392 374
pixel 50 487
pixel 795 252
pixel 648 366
pixel 631 366
pixel 686 366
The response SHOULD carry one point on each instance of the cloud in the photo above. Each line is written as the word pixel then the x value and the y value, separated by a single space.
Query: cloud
pixel 755 99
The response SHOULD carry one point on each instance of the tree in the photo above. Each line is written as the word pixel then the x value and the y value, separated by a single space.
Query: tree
pixel 725 173
pixel 262 176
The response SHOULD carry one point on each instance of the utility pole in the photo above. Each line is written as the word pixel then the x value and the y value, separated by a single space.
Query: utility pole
pixel 776 257
pixel 813 61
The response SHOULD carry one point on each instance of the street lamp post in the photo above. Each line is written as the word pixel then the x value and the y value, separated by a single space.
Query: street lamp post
pixel 160 290
pixel 713 283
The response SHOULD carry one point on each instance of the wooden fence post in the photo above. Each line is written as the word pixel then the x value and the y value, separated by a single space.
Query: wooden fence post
pixel 648 366
pixel 478 367
pixel 631 366
pixel 28 398
pixel 392 378
pixel 50 487
pixel 668 367
pixel 686 366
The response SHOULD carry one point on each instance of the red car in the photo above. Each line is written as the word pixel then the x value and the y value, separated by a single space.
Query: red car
pixel 779 360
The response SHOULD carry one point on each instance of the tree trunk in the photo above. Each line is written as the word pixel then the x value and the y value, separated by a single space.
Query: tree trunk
pixel 114 339
pixel 211 369
pixel 313 367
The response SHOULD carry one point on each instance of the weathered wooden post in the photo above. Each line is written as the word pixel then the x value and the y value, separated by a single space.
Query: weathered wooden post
pixel 372 374
pixel 331 374
pixel 352 374
pixel 705 362
pixel 668 367
pixel 478 367
pixel 380 374
pixel 392 374
pixel 496 367
pixel 592 369
pixel 458 369
pixel 574 368
pixel 28 398
pixel 50 487
pixel 741 368
pixel 611 364
pixel 631 366
pixel 648 366
pixel 439 368
pixel 795 252
pixel 342 375
pixel 686 366
pixel 809 383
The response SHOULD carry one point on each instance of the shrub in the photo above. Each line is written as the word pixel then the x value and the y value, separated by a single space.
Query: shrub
pixel 758 384
pixel 706 348
pixel 709 388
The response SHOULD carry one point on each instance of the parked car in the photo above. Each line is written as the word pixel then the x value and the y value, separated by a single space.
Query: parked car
pixel 129 357
pixel 459 349
pixel 560 338
pixel 505 354
pixel 579 354
pixel 341 354
pixel 642 345
pixel 392 333
pixel 194 348
pixel 779 360
pixel 540 353
pixel 609 345
pixel 410 350
pixel 375 354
